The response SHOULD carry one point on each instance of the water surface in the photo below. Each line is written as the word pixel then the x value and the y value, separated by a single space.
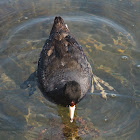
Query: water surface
pixel 109 32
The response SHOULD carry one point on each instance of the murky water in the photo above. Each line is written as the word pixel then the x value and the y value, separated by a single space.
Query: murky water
pixel 109 32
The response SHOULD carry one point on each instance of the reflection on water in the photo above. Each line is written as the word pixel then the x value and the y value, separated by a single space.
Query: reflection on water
pixel 109 33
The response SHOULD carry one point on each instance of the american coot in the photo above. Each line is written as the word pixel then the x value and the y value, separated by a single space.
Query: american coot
pixel 64 73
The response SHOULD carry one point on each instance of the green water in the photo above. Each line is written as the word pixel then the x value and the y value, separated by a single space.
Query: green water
pixel 109 32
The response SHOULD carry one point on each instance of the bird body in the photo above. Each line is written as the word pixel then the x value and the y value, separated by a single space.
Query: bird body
pixel 64 73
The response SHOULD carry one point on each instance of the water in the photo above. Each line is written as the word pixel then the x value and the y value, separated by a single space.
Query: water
pixel 109 33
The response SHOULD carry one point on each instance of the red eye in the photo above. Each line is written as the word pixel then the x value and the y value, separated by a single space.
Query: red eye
pixel 72 103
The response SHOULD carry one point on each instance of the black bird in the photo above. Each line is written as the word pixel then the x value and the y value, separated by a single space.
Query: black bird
pixel 64 73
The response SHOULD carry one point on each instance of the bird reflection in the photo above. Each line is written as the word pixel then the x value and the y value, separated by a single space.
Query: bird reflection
pixel 70 130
